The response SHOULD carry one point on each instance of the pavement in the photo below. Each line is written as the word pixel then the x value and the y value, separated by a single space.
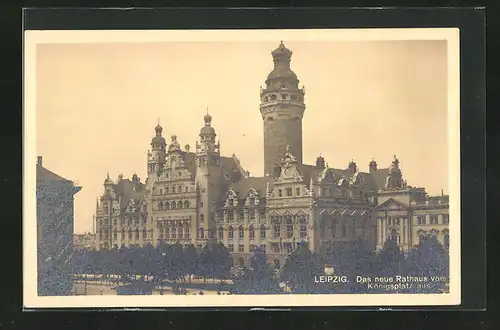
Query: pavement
pixel 95 289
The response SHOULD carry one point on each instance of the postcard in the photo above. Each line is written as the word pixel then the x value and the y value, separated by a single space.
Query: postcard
pixel 241 168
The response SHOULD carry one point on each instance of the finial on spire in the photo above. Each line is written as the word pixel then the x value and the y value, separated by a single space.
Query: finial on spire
pixel 158 121
pixel 107 175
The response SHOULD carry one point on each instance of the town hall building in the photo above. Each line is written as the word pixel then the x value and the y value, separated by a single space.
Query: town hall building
pixel 202 197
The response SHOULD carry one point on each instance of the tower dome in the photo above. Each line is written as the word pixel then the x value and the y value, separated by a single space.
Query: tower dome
pixel 207 129
pixel 281 58
pixel 158 139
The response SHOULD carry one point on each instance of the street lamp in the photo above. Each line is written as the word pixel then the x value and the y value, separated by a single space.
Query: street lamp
pixel 329 271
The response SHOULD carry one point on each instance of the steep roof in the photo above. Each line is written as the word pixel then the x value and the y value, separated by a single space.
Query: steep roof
pixel 244 185
pixel 44 175
pixel 128 189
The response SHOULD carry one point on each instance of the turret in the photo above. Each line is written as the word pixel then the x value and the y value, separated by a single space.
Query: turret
pixel 157 154
pixel 208 178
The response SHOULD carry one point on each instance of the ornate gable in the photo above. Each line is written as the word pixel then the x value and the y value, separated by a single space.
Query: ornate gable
pixel 289 172
pixel 391 204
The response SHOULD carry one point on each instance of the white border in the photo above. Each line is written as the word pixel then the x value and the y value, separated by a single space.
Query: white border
pixel 32 38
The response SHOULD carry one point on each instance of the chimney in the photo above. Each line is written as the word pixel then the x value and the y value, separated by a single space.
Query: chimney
pixel 39 161
pixel 187 147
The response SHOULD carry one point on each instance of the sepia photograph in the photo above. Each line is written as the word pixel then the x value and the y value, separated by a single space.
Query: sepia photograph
pixel 227 168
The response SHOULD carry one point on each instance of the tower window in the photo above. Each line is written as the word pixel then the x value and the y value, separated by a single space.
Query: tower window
pixel 294 97
pixel 283 96
pixel 273 97
pixel 180 174
pixel 270 118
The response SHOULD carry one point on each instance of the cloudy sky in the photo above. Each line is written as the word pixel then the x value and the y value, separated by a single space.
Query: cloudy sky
pixel 97 105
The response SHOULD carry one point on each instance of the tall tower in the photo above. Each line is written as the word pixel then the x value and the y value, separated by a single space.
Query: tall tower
pixel 282 108
pixel 156 158
pixel 208 178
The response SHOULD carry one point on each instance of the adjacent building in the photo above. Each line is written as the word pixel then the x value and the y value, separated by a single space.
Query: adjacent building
pixel 83 242
pixel 202 197
pixel 55 223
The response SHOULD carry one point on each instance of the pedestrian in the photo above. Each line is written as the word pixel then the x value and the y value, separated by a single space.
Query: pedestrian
pixel 201 293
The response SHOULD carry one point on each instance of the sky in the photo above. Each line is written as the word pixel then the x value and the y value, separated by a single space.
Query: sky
pixel 97 105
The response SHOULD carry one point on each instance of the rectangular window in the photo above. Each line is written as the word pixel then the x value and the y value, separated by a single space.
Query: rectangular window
pixel 122 221
pixel 202 218
pixel 289 192
pixel 180 188
pixel 276 231
pixel 114 222
pixel 297 191
pixel 252 247
pixel 221 234
pixel 263 247
pixel 303 230
pixel 241 216
pixel 241 248
pixel 186 189
pixel 230 247
pixel 280 193
pixel 166 190
pixel 173 189
pixel 180 174
pixel 262 215
pixel 262 232
pixel 180 232
pixel 144 234
pixel 445 219
pixel 251 215
pixel 434 219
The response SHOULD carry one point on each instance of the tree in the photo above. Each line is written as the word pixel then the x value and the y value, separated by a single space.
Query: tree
pixel 189 260
pixel 300 269
pixel 429 259
pixel 259 278
pixel 350 259
pixel 221 261
pixel 205 263
pixel 391 260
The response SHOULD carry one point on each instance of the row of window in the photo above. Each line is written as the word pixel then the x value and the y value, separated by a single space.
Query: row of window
pixel 170 191
pixel 104 234
pixel 174 233
pixel 274 97
pixel 129 222
pixel 234 202
pixel 240 215
pixel 241 247
pixel 166 205
pixel 433 219
pixel 241 232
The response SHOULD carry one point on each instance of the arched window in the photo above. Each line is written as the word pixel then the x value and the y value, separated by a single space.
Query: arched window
pixel 100 234
pixel 251 232
pixel 221 233
pixel 123 234
pixel 262 232
pixel 167 205
pixel 172 206
pixel 144 233
pixel 273 97
pixel 160 206
pixel 202 233
pixel 186 204
pixel 137 233
pixel 230 232
pixel 241 232
pixel 179 205
pixel 130 234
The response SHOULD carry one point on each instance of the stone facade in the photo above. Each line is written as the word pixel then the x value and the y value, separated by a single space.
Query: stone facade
pixel 201 197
